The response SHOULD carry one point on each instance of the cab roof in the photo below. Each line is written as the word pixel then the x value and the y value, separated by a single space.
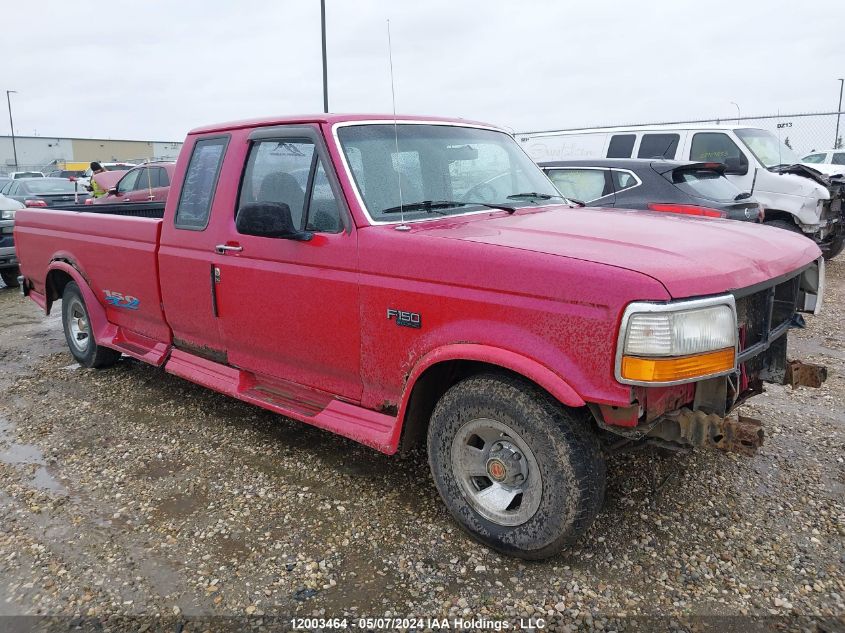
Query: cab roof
pixel 329 119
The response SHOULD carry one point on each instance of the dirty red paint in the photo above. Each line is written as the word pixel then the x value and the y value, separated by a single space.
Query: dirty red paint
pixel 302 324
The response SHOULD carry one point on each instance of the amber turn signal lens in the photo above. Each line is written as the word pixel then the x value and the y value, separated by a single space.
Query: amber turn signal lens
pixel 678 368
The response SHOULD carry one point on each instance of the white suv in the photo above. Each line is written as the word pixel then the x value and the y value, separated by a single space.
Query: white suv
pixel 827 161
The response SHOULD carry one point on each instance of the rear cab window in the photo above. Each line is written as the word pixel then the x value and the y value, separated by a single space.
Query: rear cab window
pixel 658 146
pixel 200 183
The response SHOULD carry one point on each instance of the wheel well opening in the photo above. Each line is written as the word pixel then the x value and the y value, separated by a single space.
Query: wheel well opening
pixel 774 214
pixel 430 387
pixel 55 286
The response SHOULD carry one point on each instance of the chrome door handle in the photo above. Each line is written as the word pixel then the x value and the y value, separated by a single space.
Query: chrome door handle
pixel 224 248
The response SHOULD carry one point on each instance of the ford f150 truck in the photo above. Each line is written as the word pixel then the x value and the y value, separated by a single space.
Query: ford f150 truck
pixel 369 276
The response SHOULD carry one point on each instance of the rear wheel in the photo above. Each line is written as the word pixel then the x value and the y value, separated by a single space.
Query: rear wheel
pixel 10 277
pixel 519 472
pixel 78 333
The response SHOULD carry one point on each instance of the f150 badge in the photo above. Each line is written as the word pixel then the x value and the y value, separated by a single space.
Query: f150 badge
pixel 404 319
pixel 120 300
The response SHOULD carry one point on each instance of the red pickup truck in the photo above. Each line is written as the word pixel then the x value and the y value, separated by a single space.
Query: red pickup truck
pixel 420 281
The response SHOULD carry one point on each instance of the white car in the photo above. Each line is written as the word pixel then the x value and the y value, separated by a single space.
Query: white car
pixel 827 161
pixel 25 174
pixel 755 161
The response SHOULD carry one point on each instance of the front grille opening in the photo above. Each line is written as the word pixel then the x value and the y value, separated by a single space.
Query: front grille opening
pixel 786 296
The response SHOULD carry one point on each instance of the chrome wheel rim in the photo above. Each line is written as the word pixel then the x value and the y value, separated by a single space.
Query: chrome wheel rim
pixel 80 328
pixel 497 471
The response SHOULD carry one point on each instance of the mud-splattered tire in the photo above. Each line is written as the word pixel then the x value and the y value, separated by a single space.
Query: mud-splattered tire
pixel 540 463
pixel 78 333
pixel 10 277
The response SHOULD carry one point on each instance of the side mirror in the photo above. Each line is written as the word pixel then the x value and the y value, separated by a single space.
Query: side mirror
pixel 112 192
pixel 269 219
pixel 736 165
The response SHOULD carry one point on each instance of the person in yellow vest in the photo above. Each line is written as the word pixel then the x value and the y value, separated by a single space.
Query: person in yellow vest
pixel 94 187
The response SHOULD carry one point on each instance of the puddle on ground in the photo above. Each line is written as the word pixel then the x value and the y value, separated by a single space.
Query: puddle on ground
pixel 15 454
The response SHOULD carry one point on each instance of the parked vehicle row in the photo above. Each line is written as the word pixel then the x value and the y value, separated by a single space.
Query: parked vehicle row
pixel 8 258
pixel 43 192
pixel 422 282
pixel 756 161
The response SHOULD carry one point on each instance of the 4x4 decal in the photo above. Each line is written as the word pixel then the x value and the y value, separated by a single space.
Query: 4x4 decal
pixel 120 300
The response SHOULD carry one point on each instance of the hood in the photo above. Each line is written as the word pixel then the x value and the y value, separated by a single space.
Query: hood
pixel 690 256
pixel 826 169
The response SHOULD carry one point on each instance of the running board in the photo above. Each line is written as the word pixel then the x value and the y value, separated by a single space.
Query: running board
pixel 294 401
pixel 135 345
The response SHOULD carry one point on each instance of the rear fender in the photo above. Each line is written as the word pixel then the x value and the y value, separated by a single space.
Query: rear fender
pixel 100 326
pixel 512 361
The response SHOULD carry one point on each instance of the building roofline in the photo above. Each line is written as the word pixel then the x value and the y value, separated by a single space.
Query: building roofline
pixel 82 138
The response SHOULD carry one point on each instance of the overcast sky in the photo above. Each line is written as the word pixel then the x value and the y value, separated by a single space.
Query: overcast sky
pixel 152 70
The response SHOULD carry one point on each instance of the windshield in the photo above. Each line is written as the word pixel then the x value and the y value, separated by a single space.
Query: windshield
pixel 768 149
pixel 705 183
pixel 442 163
pixel 50 185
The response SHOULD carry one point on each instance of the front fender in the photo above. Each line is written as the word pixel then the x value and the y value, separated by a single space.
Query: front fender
pixel 517 363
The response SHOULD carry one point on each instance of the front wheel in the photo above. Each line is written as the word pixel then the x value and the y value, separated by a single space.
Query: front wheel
pixel 10 277
pixel 519 472
pixel 78 333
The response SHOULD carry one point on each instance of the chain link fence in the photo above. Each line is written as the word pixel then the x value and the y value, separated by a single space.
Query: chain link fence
pixel 804 132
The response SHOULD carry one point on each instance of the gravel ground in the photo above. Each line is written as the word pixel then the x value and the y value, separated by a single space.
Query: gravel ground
pixel 129 492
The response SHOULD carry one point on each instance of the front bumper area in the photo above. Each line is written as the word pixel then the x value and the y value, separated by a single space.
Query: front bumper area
pixel 698 414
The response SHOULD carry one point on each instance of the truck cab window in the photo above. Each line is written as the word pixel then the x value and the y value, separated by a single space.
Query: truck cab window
pixel 200 183
pixel 281 171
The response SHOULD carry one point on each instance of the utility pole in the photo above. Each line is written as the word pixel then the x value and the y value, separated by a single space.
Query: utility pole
pixel 12 125
pixel 838 110
pixel 325 67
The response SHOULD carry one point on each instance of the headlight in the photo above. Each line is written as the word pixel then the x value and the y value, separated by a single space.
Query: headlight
pixel 8 214
pixel 670 343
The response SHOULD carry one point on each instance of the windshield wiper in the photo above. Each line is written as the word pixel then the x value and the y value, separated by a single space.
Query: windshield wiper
pixel 534 194
pixel 743 196
pixel 435 206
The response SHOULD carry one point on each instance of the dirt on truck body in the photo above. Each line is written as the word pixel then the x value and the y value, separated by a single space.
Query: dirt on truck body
pixel 454 301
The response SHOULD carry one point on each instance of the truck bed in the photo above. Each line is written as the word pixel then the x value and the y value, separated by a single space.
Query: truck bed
pixel 111 247
pixel 153 210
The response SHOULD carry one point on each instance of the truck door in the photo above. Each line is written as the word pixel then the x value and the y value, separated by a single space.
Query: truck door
pixel 289 308
pixel 187 253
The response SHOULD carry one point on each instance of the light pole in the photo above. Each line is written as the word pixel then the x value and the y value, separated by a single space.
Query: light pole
pixel 838 110
pixel 738 115
pixel 12 125
pixel 325 68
